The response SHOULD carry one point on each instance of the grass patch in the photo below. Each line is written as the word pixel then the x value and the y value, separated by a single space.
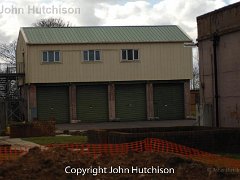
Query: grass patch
pixel 57 139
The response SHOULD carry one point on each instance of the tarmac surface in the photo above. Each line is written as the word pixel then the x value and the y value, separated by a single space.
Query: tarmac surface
pixel 119 125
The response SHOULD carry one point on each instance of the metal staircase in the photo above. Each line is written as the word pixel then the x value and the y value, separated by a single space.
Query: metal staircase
pixel 10 98
pixel 3 82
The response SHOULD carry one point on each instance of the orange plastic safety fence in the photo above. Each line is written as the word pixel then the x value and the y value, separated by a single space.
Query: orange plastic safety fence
pixel 149 145
pixel 11 153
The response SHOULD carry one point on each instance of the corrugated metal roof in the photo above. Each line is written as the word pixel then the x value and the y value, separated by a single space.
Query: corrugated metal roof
pixel 104 34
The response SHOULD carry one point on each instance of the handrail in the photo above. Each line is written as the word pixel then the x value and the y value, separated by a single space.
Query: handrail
pixel 6 68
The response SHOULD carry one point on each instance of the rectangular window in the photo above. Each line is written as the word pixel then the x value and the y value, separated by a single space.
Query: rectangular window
pixel 50 56
pixel 85 55
pixel 45 56
pixel 97 55
pixel 130 54
pixel 135 54
pixel 91 55
pixel 57 56
pixel 124 54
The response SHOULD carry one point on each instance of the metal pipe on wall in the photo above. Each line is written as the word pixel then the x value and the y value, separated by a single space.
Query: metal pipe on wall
pixel 216 39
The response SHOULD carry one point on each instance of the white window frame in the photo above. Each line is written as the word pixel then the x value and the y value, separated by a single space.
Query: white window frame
pixel 134 59
pixel 94 58
pixel 54 58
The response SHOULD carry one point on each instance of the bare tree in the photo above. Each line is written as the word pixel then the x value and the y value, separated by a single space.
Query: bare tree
pixel 51 22
pixel 8 52
pixel 195 82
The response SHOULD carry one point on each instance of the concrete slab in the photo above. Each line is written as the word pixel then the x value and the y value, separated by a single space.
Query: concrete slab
pixel 17 143
pixel 119 125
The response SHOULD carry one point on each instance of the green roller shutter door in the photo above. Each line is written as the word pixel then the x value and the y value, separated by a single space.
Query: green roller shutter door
pixel 131 102
pixel 169 101
pixel 92 103
pixel 53 102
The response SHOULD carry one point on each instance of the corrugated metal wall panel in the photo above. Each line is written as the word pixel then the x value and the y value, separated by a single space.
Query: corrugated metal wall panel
pixel 169 101
pixel 92 103
pixel 131 102
pixel 53 102
pixel 166 61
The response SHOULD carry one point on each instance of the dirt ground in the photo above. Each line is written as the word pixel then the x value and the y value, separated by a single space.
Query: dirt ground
pixel 51 165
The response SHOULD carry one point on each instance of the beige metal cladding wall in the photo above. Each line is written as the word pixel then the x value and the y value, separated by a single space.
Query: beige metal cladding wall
pixel 169 101
pixel 20 49
pixel 21 57
pixel 158 61
pixel 131 102
pixel 92 103
pixel 53 101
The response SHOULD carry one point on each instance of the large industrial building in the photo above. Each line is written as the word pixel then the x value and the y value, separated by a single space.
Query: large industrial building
pixel 105 73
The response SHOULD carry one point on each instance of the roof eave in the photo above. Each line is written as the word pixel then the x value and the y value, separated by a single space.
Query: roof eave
pixel 24 35
pixel 145 42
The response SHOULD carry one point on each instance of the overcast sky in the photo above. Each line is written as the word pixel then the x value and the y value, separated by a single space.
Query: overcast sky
pixel 18 13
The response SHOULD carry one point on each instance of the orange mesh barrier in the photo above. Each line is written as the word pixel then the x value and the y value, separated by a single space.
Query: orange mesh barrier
pixel 148 145
pixel 9 153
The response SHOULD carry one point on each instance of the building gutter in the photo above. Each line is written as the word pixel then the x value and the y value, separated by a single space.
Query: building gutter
pixel 215 44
